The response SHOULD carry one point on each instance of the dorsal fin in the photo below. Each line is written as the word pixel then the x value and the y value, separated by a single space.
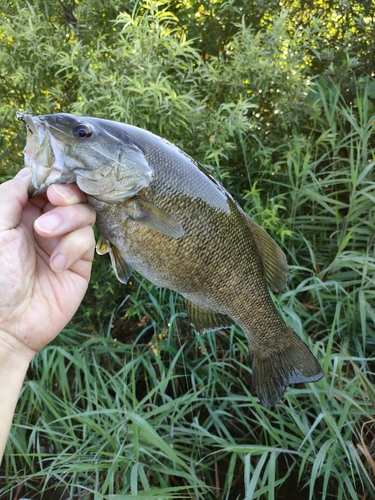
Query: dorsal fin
pixel 205 320
pixel 275 265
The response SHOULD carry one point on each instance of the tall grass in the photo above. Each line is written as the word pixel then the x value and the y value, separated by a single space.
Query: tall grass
pixel 162 413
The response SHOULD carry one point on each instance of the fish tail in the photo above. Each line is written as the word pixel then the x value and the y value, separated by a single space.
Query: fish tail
pixel 293 363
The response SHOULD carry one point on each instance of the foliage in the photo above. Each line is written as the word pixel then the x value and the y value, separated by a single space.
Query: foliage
pixel 277 99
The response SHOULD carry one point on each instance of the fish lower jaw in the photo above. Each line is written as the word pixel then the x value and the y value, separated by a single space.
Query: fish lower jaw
pixel 43 177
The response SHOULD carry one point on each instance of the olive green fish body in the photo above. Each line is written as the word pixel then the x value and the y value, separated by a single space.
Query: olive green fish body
pixel 162 214
pixel 225 243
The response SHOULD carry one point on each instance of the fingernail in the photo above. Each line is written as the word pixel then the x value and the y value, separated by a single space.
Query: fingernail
pixel 59 263
pixel 25 172
pixel 63 191
pixel 48 223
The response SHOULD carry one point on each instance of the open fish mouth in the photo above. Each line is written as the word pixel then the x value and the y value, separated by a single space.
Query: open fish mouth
pixel 43 153
pixel 65 148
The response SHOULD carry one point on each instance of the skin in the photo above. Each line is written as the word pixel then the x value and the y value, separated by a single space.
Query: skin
pixel 46 250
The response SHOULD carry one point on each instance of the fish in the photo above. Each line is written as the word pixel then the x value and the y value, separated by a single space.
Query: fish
pixel 162 214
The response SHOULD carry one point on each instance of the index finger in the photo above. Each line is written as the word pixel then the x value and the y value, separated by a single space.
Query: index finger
pixel 65 194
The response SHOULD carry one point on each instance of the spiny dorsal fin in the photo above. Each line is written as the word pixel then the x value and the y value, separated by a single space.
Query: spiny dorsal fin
pixel 122 269
pixel 275 265
pixel 205 320
pixel 149 215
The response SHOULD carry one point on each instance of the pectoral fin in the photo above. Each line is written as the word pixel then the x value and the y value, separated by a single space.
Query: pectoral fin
pixel 120 266
pixel 275 265
pixel 205 320
pixel 149 215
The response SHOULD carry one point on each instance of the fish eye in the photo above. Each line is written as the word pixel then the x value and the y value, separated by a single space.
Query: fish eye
pixel 82 131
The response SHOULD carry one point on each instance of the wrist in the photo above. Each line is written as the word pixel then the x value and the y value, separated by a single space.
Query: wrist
pixel 14 356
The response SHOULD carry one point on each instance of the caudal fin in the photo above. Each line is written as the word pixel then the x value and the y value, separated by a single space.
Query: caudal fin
pixel 272 374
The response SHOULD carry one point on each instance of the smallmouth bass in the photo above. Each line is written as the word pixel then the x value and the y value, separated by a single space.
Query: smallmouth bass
pixel 159 212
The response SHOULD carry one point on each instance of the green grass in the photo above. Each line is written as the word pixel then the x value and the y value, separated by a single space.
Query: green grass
pixel 162 421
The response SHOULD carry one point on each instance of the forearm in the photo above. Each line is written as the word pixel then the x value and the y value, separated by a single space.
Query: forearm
pixel 13 368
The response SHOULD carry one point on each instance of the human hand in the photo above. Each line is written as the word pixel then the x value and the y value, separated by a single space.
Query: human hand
pixel 46 250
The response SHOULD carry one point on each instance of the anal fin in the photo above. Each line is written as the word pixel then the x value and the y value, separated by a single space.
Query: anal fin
pixel 205 320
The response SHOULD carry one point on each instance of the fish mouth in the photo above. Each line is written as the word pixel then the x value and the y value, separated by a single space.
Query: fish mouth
pixel 43 153
pixel 105 166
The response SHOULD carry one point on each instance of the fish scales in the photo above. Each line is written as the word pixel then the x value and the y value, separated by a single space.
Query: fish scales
pixel 159 212
pixel 171 262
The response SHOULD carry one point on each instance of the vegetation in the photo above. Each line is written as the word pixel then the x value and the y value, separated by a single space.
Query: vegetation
pixel 278 100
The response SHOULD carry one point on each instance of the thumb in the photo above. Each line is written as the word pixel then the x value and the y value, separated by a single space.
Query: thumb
pixel 13 198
